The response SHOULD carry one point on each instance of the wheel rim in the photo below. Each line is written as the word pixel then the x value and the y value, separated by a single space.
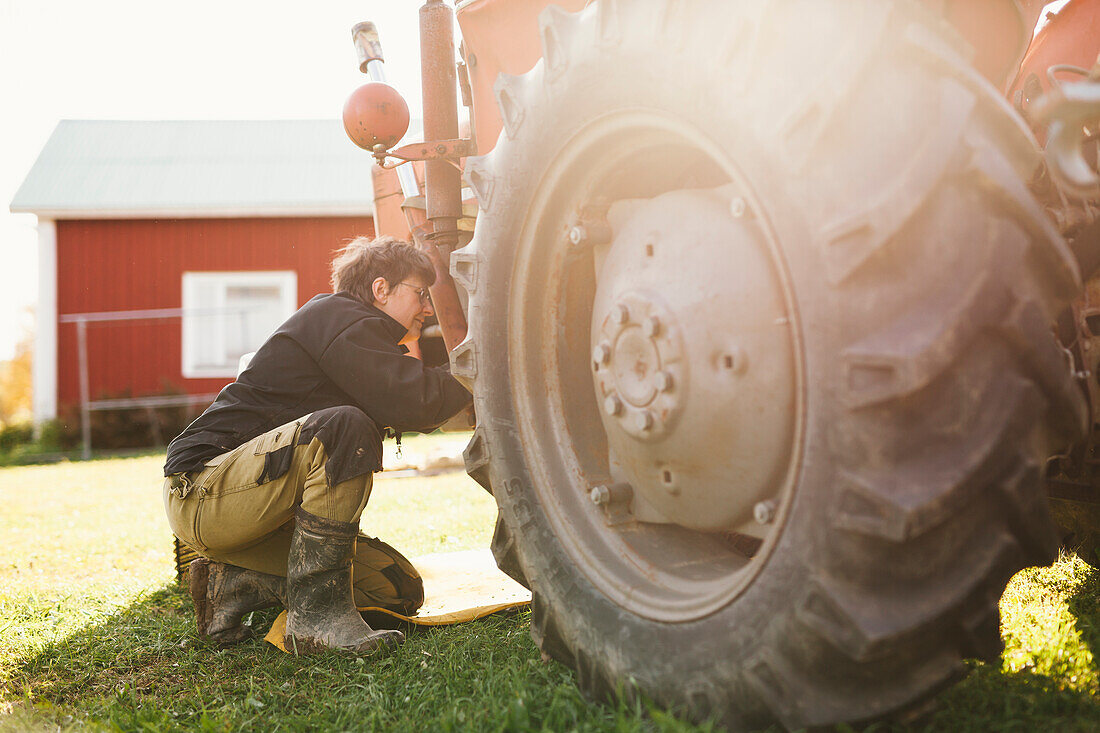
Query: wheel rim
pixel 608 392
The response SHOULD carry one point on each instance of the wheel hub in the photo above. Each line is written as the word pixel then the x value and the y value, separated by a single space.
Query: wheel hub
pixel 703 435
pixel 637 362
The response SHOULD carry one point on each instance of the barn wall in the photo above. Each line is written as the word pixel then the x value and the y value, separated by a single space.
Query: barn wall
pixel 139 264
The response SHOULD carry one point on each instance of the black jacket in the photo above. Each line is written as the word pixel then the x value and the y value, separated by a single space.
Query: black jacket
pixel 334 351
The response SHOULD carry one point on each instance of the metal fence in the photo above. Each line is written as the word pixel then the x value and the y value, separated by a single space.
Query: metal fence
pixel 149 403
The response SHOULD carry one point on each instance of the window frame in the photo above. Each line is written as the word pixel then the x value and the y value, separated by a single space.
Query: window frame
pixel 192 283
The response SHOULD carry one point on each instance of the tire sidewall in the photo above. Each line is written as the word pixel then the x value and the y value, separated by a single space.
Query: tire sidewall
pixel 646 652
pixel 713 664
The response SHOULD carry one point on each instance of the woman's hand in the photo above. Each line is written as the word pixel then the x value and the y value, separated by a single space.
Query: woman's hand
pixel 420 240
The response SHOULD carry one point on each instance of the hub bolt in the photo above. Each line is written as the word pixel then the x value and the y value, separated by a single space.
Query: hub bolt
pixel 651 327
pixel 737 207
pixel 602 353
pixel 612 405
pixel 609 495
pixel 643 420
pixel 662 381
pixel 764 512
pixel 577 234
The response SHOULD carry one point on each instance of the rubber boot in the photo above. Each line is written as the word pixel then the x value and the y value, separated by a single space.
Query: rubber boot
pixel 224 593
pixel 320 612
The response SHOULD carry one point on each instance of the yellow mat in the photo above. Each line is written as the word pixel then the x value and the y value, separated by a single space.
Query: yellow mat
pixel 458 586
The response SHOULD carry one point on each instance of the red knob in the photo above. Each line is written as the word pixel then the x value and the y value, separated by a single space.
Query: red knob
pixel 376 114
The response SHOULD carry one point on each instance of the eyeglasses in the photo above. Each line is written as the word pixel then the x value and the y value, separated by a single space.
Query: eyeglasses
pixel 421 293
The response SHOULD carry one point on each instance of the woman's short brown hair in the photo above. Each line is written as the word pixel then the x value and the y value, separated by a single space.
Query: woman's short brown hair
pixel 363 260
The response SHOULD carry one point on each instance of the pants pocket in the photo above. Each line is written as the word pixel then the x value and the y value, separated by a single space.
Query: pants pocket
pixel 280 437
pixel 183 515
pixel 277 448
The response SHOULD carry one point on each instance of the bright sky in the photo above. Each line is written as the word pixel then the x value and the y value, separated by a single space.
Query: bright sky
pixel 149 60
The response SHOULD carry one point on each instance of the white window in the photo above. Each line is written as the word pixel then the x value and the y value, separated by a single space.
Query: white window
pixel 229 314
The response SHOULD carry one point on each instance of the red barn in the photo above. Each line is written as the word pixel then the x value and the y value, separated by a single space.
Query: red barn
pixel 213 232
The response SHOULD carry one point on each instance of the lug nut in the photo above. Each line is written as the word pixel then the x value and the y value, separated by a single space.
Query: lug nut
pixel 621 314
pixel 613 405
pixel 643 420
pixel 662 381
pixel 764 512
pixel 599 495
pixel 737 207
pixel 577 234
pixel 602 353
pixel 612 494
pixel 651 327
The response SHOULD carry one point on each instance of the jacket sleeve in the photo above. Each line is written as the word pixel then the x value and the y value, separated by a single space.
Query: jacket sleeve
pixel 393 389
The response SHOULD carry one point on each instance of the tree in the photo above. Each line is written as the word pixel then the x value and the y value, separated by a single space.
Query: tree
pixel 15 382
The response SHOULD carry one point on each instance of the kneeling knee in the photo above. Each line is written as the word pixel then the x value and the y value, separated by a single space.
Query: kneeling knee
pixel 351 439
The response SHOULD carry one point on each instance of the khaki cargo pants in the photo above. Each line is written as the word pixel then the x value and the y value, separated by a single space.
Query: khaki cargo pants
pixel 239 509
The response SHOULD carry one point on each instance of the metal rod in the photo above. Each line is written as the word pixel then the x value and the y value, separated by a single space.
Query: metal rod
pixel 448 306
pixel 124 403
pixel 368 48
pixel 149 314
pixel 442 179
pixel 376 70
pixel 154 426
pixel 85 415
pixel 406 176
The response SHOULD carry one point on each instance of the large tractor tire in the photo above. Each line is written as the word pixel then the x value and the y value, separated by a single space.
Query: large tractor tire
pixel 759 346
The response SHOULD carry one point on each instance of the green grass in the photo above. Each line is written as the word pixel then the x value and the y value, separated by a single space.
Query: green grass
pixel 94 632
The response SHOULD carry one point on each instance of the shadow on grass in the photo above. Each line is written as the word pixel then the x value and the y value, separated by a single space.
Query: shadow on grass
pixel 991 699
pixel 143 668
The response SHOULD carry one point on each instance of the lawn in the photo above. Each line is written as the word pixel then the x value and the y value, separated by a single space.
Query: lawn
pixel 95 633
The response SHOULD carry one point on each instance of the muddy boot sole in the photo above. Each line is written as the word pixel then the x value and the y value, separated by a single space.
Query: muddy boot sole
pixel 199 584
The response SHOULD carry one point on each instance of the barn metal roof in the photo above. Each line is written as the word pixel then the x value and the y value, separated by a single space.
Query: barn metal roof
pixel 141 169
